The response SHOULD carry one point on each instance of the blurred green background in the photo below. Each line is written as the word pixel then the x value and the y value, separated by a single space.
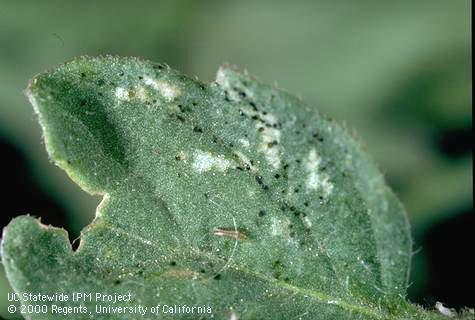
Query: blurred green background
pixel 396 72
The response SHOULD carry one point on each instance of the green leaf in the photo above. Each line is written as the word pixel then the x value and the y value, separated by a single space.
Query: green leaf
pixel 232 195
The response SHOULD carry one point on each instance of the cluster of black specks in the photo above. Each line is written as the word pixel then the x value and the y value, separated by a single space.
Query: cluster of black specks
pixel 247 165
pixel 260 181
pixel 317 136
pixel 298 213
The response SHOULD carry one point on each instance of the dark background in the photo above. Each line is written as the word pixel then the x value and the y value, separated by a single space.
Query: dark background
pixel 397 72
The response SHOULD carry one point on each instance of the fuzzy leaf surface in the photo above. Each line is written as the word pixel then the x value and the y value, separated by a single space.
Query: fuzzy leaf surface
pixel 231 194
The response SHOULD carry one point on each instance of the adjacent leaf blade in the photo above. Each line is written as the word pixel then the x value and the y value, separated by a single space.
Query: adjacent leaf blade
pixel 232 194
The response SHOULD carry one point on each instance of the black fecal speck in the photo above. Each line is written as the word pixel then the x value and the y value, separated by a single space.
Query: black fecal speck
pixel 292 208
pixel 262 213
pixel 100 82
pixel 157 66
pixel 305 203
pixel 116 282
pixel 261 129
pixel 240 168
pixel 255 117
pixel 180 118
pixel 217 277
pixel 242 94
pixel 277 176
pixel 121 74
pixel 82 103
pixel 265 187
pixel 296 190
pixel 277 263
pixel 259 179
pixel 140 77
pixel 292 234
pixel 194 104
pixel 172 263
pixel 197 129
pixel 202 270
pixel 253 105
pixel 215 139
pixel 298 161
pixel 83 75
pixel 231 145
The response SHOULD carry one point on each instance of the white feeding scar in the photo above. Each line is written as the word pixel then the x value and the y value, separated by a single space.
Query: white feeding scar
pixel 166 89
pixel 205 161
pixel 317 180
